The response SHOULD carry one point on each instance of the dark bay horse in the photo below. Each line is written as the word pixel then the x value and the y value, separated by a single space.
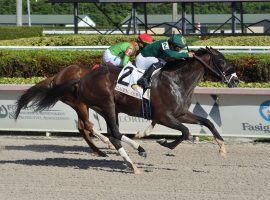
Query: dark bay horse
pixel 39 91
pixel 171 92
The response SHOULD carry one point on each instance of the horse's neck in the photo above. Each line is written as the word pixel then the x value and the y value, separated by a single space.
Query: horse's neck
pixel 191 73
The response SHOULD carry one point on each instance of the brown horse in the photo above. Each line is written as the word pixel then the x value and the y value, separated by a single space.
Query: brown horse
pixel 38 91
pixel 171 93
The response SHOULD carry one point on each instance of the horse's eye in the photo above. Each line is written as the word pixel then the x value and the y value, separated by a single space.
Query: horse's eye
pixel 222 63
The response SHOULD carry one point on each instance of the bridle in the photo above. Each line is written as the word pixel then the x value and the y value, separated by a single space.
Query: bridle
pixel 216 70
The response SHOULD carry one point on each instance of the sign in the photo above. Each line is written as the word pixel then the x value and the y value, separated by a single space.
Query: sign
pixel 233 113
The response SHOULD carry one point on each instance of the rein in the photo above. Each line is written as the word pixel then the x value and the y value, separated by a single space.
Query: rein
pixel 219 73
pixel 206 65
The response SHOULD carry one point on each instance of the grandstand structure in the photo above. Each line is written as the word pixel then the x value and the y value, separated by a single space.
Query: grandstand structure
pixel 180 25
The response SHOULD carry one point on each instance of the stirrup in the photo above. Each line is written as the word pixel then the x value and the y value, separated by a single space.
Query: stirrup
pixel 143 83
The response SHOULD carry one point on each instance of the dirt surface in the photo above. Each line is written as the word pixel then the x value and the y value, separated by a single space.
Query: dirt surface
pixel 36 167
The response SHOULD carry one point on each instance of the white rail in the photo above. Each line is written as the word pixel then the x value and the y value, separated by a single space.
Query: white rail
pixel 223 49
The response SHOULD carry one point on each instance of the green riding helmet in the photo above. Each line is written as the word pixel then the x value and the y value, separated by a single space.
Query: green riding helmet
pixel 178 40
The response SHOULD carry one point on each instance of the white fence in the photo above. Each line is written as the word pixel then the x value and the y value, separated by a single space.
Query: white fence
pixel 223 49
pixel 234 112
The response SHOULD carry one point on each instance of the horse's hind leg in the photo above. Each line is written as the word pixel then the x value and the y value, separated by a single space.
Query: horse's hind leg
pixel 103 138
pixel 85 133
pixel 86 129
pixel 147 132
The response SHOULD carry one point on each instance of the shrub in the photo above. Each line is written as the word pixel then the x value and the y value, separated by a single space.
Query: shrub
pixel 251 67
pixel 42 63
pixel 78 40
pixel 15 32
pixel 28 63
pixel 234 41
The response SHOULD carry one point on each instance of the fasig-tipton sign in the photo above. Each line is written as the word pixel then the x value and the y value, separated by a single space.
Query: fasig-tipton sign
pixel 234 112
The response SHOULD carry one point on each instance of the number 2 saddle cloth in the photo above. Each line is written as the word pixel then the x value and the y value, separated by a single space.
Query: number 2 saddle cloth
pixel 126 81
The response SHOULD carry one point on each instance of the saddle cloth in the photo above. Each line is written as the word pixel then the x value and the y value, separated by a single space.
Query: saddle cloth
pixel 128 77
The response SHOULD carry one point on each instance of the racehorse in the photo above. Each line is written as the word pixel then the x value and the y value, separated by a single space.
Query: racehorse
pixel 39 91
pixel 171 91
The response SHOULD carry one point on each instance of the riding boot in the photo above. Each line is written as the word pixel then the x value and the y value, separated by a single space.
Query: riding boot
pixel 145 79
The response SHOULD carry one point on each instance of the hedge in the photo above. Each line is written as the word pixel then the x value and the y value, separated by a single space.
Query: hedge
pixel 95 40
pixel 34 80
pixel 234 41
pixel 29 63
pixel 41 62
pixel 78 40
pixel 15 32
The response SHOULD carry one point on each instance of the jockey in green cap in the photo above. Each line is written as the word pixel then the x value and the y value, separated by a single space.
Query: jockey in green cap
pixel 120 53
pixel 156 54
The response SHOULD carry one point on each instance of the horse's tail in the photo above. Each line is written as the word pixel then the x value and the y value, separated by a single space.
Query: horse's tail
pixel 54 94
pixel 43 95
pixel 33 94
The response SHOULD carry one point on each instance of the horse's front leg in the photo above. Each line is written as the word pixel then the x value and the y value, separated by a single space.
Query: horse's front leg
pixel 174 124
pixel 111 118
pixel 194 119
pixel 131 142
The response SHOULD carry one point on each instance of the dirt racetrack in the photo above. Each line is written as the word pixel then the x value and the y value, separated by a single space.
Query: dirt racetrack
pixel 36 167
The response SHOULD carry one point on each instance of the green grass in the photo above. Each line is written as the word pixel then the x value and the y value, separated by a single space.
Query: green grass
pixel 34 80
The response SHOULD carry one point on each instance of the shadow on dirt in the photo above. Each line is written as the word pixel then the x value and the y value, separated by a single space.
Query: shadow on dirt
pixel 106 165
pixel 102 164
pixel 56 149
pixel 84 164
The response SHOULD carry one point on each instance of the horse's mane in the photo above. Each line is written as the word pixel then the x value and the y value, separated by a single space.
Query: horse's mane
pixel 184 62
pixel 201 51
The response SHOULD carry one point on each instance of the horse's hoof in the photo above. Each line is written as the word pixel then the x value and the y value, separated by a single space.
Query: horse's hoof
pixel 135 170
pixel 223 153
pixel 102 154
pixel 162 142
pixel 110 146
pixel 137 135
pixel 143 154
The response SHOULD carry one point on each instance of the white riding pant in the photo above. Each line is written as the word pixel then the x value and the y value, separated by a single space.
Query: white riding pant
pixel 110 59
pixel 145 62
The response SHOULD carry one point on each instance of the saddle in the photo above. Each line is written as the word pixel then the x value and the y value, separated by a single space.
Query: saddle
pixel 127 84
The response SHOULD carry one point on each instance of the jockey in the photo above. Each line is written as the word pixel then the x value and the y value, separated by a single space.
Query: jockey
pixel 120 53
pixel 144 39
pixel 155 55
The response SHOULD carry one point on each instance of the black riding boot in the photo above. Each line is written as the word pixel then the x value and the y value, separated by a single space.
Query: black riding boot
pixel 145 79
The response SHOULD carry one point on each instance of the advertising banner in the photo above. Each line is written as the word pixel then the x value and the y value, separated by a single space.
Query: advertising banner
pixel 232 115
pixel 249 116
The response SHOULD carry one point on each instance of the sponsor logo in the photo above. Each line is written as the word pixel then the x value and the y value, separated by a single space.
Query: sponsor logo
pixel 3 111
pixel 264 110
pixel 256 127
pixel 29 113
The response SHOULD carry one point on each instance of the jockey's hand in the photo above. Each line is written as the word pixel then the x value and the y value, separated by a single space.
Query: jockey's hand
pixel 191 54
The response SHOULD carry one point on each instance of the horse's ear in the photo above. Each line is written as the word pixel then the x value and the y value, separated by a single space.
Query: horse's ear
pixel 214 51
pixel 209 50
